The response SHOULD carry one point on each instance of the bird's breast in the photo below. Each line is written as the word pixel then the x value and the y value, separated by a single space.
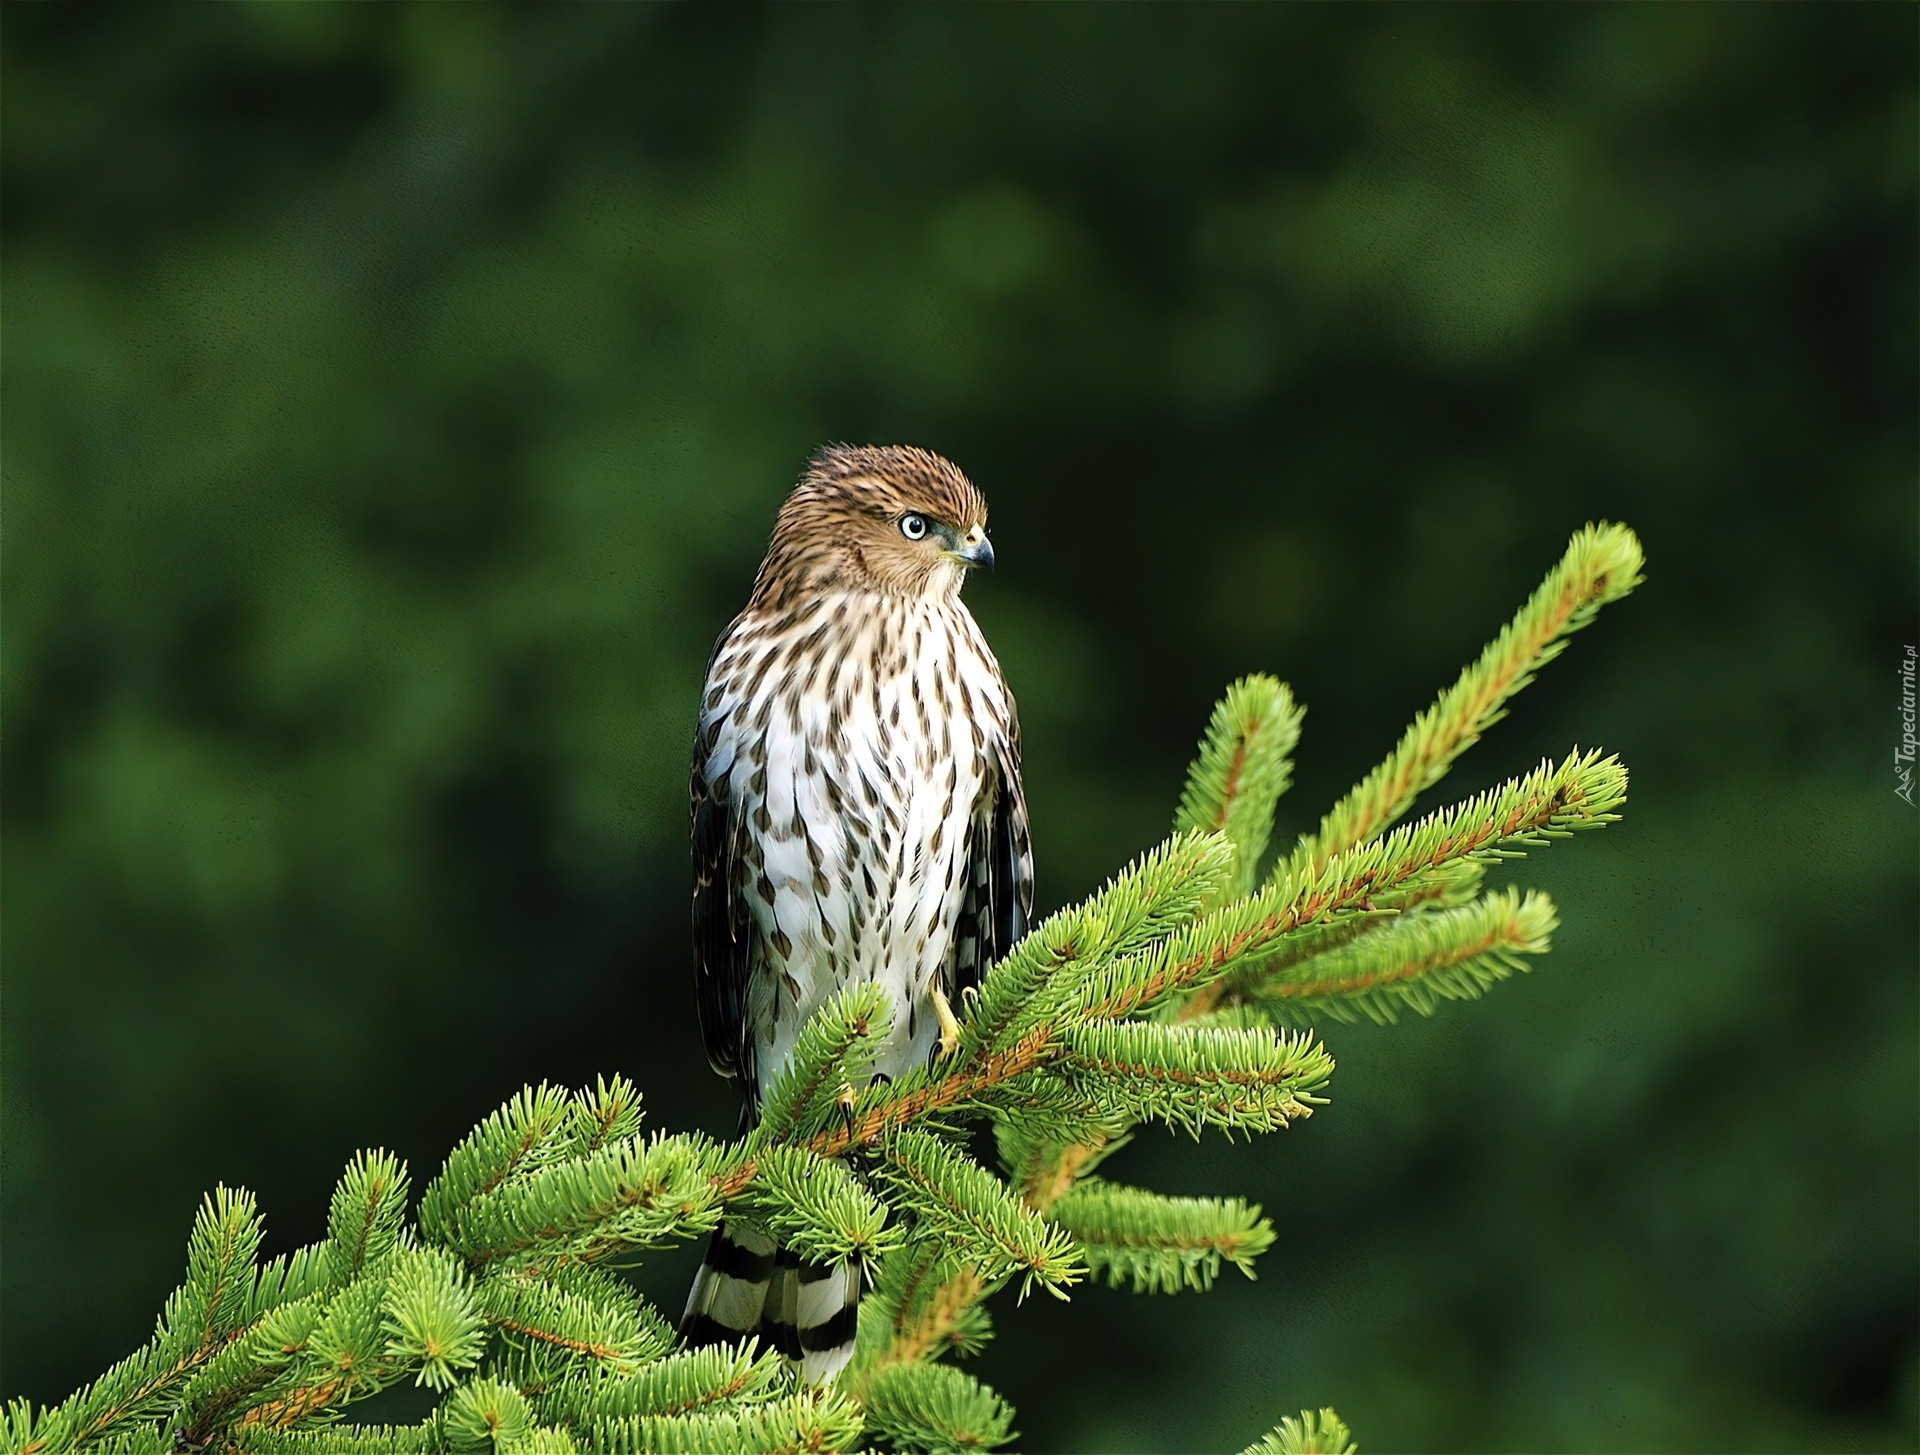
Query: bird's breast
pixel 854 746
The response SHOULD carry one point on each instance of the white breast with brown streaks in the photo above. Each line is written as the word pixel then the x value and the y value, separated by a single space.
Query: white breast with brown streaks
pixel 853 737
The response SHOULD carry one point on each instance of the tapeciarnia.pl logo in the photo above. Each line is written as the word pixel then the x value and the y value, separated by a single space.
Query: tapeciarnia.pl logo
pixel 1903 755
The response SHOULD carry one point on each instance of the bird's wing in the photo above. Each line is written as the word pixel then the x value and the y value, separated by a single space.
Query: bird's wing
pixel 721 931
pixel 999 897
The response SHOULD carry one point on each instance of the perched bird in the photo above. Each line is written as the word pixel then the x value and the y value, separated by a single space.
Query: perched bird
pixel 857 816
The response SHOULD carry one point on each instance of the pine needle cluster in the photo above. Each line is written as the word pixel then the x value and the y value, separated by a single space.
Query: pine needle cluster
pixel 1184 992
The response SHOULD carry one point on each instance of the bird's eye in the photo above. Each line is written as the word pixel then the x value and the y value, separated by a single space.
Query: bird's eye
pixel 913 527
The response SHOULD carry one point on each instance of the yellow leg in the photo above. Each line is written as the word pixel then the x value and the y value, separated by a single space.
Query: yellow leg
pixel 949 1027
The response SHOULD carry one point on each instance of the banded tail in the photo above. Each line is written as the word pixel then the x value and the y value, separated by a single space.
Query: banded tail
pixel 749 1284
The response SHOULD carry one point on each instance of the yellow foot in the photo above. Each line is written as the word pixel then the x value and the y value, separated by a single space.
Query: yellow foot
pixel 949 1027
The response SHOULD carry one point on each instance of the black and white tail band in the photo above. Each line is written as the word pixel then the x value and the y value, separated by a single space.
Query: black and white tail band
pixel 749 1284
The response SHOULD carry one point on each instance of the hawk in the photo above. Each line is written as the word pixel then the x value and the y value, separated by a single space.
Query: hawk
pixel 857 816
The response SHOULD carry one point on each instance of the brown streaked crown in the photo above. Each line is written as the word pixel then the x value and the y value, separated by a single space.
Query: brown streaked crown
pixel 840 528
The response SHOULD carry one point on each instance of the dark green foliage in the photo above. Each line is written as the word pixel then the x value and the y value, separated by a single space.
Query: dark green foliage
pixel 396 402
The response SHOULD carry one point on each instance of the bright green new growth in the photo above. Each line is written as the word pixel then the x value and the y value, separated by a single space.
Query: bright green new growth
pixel 1160 1244
pixel 1184 992
pixel 1245 764
pixel 1415 960
pixel 1602 564
pixel 936 1407
pixel 1311 1432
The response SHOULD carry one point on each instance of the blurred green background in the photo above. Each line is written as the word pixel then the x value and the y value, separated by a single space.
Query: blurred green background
pixel 396 403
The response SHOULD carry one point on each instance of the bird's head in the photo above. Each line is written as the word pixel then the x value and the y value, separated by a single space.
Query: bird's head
pixel 887 518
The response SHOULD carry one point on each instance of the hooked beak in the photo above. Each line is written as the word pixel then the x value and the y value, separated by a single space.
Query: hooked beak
pixel 977 553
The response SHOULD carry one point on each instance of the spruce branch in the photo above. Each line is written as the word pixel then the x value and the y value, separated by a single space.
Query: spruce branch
pixel 530 1131
pixel 1155 999
pixel 720 1374
pixel 935 1407
pixel 815 1207
pixel 431 1318
pixel 834 1054
pixel 1416 960
pixel 1161 890
pixel 914 1312
pixel 958 1202
pixel 220 1252
pixel 1244 765
pixel 630 1194
pixel 426 1439
pixel 1552 802
pixel 1041 1167
pixel 1602 564
pixel 809 1422
pixel 363 1224
pixel 1446 886
pixel 1161 1244
pixel 571 1319
pixel 1312 1432
pixel 199 1319
pixel 485 1415
pixel 608 1113
pixel 1235 1080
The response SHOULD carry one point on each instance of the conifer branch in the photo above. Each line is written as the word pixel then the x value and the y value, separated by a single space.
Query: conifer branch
pixel 341 1440
pixel 833 1054
pixel 1446 887
pixel 528 1132
pixel 959 1203
pixel 1161 890
pixel 608 1113
pixel 486 1415
pixel 1161 1244
pixel 808 1422
pixel 631 1194
pixel 1233 1080
pixel 936 1407
pixel 1155 999
pixel 578 1313
pixel 1245 764
pixel 815 1207
pixel 1416 960
pixel 914 1313
pixel 1602 564
pixel 678 1384
pixel 430 1317
pixel 1312 1432
pixel 1549 803
pixel 363 1224
pixel 1041 1168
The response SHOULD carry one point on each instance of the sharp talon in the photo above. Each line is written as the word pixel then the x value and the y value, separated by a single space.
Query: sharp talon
pixel 949 1027
pixel 845 1102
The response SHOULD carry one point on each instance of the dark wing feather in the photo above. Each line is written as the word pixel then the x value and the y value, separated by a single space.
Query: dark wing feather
pixel 999 876
pixel 720 932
